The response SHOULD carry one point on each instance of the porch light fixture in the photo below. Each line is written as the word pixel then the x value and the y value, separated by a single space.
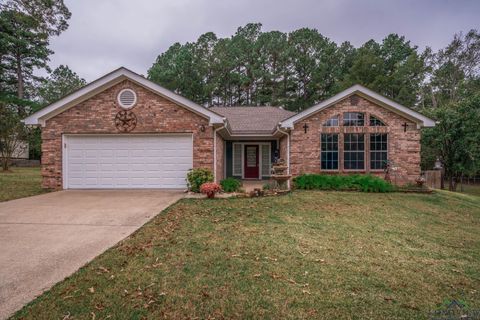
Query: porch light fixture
pixel 202 128
pixel 438 164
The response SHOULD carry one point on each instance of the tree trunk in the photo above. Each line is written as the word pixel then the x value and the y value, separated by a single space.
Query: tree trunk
pixel 5 163
pixel 452 183
pixel 20 84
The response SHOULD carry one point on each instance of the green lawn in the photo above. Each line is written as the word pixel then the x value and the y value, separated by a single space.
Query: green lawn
pixel 19 183
pixel 331 255
pixel 470 189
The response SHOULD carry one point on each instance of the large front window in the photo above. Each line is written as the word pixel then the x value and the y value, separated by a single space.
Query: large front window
pixel 378 151
pixel 329 151
pixel 354 151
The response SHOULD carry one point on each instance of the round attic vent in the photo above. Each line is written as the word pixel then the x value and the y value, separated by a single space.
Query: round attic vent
pixel 127 98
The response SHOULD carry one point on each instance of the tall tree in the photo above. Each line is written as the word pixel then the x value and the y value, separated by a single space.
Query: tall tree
pixel 454 71
pixel 58 84
pixel 13 133
pixel 393 67
pixel 312 60
pixel 25 28
pixel 455 139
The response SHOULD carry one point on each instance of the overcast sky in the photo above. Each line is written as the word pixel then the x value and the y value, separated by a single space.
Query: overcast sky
pixel 106 34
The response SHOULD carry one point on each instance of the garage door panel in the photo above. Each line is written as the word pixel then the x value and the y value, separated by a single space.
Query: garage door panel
pixel 114 161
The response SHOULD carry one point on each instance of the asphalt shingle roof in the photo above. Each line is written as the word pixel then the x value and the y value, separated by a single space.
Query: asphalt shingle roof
pixel 262 119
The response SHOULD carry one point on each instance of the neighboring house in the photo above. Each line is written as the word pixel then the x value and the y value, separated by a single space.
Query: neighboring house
pixel 124 131
pixel 21 151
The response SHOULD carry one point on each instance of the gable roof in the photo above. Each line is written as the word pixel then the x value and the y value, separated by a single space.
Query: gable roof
pixel 420 119
pixel 109 80
pixel 263 119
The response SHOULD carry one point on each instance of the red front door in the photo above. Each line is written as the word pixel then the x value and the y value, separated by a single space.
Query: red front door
pixel 251 162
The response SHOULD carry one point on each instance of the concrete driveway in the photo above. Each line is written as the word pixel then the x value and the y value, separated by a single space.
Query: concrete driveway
pixel 45 238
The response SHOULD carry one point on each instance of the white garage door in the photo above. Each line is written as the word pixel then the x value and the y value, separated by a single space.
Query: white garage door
pixel 126 161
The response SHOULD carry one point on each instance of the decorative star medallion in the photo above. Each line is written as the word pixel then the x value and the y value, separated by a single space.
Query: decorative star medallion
pixel 125 121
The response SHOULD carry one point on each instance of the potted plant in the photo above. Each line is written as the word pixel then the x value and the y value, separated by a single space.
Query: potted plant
pixel 210 188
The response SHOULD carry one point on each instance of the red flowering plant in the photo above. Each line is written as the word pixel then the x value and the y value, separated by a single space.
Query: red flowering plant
pixel 210 188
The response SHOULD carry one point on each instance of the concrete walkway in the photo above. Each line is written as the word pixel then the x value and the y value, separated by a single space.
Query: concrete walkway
pixel 45 238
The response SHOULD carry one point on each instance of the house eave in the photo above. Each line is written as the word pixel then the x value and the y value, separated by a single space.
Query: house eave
pixel 40 117
pixel 368 94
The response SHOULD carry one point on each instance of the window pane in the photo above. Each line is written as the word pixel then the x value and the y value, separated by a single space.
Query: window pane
pixel 354 151
pixel 375 122
pixel 332 122
pixel 353 119
pixel 329 154
pixel 378 150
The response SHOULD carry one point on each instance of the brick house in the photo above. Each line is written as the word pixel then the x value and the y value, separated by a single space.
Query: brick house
pixel 124 131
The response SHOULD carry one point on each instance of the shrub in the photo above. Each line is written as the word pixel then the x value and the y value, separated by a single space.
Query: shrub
pixel 267 186
pixel 230 184
pixel 364 183
pixel 210 188
pixel 197 177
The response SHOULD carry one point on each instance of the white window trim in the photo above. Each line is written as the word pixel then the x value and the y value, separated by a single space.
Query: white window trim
pixel 259 144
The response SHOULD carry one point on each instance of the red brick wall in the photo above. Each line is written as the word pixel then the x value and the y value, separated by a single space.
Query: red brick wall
pixel 220 166
pixel 96 115
pixel 403 147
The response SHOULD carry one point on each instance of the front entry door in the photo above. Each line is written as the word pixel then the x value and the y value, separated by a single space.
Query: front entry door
pixel 252 168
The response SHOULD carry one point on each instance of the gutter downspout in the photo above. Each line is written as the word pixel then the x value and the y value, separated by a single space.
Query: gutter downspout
pixel 215 149
pixel 288 151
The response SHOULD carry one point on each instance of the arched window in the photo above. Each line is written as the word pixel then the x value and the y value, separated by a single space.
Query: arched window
pixel 375 122
pixel 332 122
pixel 353 119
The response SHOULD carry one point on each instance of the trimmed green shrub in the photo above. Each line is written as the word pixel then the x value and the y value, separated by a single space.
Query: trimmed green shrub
pixel 230 184
pixel 358 182
pixel 197 177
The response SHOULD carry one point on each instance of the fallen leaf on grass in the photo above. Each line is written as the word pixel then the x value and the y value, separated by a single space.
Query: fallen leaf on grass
pixel 271 259
pixel 91 290
pixel 304 291
pixel 103 269
pixel 257 275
